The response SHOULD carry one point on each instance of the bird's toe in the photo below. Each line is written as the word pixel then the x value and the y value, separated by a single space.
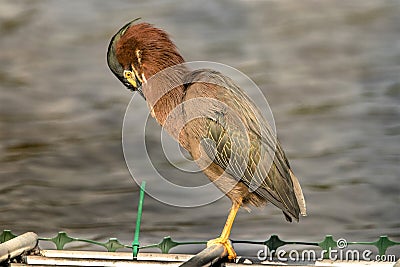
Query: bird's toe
pixel 226 243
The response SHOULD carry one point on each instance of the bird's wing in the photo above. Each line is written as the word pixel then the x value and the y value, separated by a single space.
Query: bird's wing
pixel 243 143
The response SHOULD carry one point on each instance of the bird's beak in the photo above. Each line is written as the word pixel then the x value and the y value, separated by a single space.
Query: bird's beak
pixel 135 83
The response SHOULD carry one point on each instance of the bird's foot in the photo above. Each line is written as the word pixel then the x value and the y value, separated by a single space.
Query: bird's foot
pixel 226 243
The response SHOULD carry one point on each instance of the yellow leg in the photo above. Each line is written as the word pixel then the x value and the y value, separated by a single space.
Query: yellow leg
pixel 224 237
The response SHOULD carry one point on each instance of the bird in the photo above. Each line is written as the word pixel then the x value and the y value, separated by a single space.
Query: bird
pixel 213 119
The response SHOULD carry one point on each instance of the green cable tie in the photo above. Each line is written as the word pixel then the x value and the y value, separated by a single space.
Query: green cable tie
pixel 135 243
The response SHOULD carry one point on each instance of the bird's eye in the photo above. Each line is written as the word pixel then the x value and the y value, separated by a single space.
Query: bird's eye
pixel 128 74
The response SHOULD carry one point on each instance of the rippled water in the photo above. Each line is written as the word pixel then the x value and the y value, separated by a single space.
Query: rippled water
pixel 329 69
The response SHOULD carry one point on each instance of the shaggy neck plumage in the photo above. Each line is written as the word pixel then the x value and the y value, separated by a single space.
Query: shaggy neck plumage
pixel 157 53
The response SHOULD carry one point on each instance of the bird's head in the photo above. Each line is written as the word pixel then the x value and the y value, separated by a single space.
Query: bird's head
pixel 138 51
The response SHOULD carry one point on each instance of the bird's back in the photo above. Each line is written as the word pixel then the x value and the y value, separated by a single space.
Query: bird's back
pixel 236 143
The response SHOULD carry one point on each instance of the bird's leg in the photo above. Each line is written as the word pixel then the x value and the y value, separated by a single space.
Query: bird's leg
pixel 224 237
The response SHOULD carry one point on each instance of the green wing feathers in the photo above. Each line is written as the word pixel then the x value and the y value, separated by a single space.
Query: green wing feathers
pixel 241 142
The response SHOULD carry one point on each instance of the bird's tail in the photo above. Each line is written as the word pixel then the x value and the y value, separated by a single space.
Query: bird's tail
pixel 299 194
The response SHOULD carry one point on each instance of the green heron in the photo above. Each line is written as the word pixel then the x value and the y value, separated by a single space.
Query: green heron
pixel 240 162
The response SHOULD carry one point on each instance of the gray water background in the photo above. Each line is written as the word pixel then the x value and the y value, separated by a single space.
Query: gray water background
pixel 329 69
